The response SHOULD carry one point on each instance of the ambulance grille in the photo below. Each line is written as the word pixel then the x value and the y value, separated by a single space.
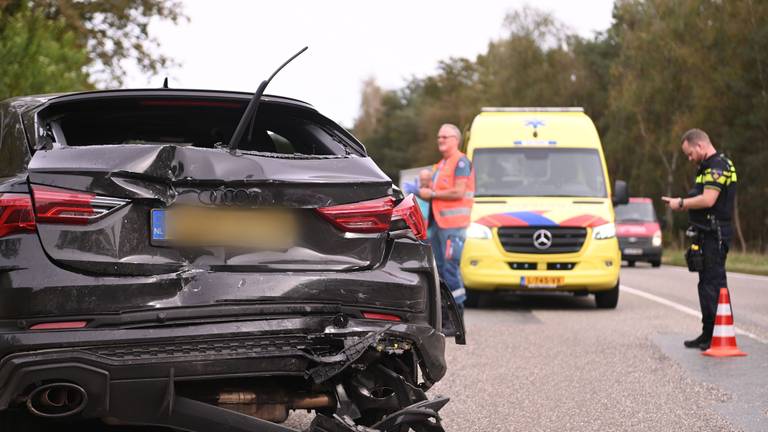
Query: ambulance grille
pixel 520 239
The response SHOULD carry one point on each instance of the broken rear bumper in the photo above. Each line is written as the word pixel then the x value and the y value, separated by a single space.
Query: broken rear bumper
pixel 132 375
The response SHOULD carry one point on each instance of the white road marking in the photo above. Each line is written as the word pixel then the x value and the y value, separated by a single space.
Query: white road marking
pixel 683 309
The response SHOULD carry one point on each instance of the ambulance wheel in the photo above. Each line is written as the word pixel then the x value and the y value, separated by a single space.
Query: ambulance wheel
pixel 607 299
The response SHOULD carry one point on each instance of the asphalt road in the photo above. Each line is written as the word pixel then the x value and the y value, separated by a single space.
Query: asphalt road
pixel 556 363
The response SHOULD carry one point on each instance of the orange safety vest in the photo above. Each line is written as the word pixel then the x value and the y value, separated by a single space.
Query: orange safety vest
pixel 452 213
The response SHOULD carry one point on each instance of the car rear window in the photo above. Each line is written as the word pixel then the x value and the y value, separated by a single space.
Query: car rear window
pixel 279 129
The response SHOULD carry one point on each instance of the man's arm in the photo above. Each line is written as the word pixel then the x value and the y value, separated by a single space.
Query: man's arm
pixel 703 201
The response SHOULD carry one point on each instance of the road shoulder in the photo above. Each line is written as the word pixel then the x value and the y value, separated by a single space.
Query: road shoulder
pixel 746 404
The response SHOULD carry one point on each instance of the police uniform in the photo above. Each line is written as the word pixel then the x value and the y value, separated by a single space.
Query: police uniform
pixel 714 228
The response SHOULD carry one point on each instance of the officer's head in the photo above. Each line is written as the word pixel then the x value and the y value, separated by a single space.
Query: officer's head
pixel 696 145
pixel 448 139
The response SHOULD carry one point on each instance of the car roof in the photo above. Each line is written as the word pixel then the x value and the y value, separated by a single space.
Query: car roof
pixel 26 103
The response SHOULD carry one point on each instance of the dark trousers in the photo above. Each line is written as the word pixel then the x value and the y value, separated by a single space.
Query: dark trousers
pixel 712 278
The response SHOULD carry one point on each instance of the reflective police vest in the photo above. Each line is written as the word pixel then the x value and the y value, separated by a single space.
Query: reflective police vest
pixel 452 213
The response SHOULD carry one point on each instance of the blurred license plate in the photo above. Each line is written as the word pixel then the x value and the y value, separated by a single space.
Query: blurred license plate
pixel 633 251
pixel 542 281
pixel 201 226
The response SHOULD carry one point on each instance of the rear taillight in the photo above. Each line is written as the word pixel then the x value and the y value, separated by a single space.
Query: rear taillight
pixel 408 210
pixel 15 214
pixel 362 217
pixel 54 205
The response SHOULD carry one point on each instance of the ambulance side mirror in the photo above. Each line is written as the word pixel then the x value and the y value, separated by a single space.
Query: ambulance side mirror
pixel 620 193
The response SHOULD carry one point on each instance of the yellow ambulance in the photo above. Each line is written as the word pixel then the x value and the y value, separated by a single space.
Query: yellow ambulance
pixel 543 214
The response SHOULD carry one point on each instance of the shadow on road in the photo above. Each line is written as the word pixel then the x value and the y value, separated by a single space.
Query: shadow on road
pixel 524 303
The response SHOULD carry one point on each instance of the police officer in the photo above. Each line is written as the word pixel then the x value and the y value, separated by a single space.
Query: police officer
pixel 451 196
pixel 710 206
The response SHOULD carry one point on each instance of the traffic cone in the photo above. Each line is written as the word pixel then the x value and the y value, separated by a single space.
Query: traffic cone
pixel 724 335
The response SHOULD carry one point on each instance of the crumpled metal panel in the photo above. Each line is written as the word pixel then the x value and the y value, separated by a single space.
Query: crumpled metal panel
pixel 32 286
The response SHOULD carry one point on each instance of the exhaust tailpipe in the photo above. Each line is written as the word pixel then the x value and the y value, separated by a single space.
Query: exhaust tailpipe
pixel 57 400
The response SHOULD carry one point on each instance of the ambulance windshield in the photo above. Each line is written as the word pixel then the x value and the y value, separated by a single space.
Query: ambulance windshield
pixel 539 172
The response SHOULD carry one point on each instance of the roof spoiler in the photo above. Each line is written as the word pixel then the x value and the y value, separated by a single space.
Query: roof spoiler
pixel 533 109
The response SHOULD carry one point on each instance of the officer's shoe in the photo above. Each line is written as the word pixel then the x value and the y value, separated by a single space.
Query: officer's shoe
pixel 696 343
pixel 704 344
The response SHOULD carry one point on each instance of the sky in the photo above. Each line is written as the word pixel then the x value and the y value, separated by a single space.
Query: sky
pixel 235 44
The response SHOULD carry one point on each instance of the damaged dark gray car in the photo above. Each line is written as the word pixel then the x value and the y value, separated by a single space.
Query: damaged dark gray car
pixel 153 273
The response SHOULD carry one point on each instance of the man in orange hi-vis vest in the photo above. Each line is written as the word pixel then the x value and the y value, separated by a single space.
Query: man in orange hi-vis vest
pixel 451 197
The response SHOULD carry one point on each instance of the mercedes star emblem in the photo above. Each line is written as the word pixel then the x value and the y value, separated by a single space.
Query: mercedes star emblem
pixel 542 239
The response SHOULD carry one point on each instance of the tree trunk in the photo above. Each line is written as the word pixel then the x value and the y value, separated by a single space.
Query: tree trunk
pixel 737 224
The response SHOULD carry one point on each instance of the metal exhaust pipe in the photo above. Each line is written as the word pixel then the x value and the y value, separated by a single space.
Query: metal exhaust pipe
pixel 57 400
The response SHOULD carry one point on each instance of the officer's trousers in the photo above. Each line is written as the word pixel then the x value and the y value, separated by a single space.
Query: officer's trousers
pixel 711 278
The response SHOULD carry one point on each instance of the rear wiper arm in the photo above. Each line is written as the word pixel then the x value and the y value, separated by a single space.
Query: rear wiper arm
pixel 253 106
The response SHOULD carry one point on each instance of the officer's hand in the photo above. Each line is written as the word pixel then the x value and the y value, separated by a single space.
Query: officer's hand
pixel 425 193
pixel 671 202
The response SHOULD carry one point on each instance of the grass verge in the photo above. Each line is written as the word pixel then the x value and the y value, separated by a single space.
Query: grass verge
pixel 751 263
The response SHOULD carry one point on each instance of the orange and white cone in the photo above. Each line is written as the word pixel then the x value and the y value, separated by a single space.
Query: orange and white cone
pixel 724 335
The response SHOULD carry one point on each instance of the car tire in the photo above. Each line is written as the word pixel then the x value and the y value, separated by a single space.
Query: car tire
pixel 607 299
pixel 630 263
pixel 473 299
pixel 656 263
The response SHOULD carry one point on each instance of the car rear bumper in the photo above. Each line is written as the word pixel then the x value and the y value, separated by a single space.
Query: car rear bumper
pixel 639 249
pixel 133 375
pixel 650 253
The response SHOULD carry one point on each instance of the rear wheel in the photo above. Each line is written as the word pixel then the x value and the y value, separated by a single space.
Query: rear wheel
pixel 630 263
pixel 607 299
pixel 656 263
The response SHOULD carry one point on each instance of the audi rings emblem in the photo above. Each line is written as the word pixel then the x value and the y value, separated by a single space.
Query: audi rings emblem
pixel 230 197
pixel 542 239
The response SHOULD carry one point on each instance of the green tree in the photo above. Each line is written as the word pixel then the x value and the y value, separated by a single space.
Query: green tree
pixel 677 69
pixel 39 55
pixel 661 68
pixel 111 32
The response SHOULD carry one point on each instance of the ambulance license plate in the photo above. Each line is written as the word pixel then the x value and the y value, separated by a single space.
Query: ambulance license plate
pixel 541 281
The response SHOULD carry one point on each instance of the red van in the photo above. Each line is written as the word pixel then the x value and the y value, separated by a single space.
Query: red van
pixel 639 232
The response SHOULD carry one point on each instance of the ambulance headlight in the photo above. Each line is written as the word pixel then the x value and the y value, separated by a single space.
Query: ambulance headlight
pixel 604 232
pixel 478 231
